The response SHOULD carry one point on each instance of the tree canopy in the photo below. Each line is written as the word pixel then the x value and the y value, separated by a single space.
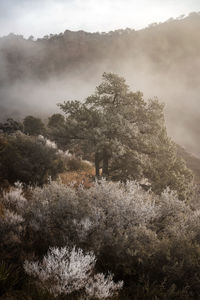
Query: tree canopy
pixel 33 126
pixel 56 121
pixel 10 126
pixel 126 136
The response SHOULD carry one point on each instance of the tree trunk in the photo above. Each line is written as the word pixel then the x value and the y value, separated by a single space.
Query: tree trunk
pixel 105 163
pixel 97 164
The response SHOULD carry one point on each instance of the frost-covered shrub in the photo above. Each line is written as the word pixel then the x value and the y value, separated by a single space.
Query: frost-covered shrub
pixel 105 214
pixel 14 198
pixel 10 218
pixel 62 271
pixel 127 202
pixel 47 142
pixel 13 203
pixel 65 271
pixel 101 287
pixel 12 223
pixel 118 210
pixel 142 238
pixel 54 206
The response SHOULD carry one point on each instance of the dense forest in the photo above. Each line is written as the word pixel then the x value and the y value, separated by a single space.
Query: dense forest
pixel 161 60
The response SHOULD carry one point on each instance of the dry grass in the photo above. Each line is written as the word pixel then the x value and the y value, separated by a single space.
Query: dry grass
pixel 79 177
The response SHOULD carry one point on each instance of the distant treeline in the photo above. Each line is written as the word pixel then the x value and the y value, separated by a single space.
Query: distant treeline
pixel 173 44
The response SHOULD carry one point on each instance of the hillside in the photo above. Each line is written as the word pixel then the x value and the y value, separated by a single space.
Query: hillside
pixel 192 162
pixel 165 45
pixel 162 60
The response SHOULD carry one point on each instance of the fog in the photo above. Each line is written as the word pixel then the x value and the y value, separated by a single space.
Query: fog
pixel 161 61
pixel 40 97
pixel 38 18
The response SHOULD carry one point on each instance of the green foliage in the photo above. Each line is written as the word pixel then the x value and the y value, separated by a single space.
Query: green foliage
pixel 126 136
pixel 33 126
pixel 10 126
pixel 26 159
pixel 57 131
pixel 56 121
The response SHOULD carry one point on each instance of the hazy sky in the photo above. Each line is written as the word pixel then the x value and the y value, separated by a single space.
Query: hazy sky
pixel 40 17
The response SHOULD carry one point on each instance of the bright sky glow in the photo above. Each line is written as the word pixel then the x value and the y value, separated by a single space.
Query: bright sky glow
pixel 41 17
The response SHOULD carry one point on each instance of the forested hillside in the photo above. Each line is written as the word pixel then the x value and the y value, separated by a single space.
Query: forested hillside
pixel 166 46
pixel 162 60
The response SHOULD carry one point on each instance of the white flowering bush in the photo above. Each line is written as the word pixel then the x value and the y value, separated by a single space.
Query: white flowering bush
pixel 64 271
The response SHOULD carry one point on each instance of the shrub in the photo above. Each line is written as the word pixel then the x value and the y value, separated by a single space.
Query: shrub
pixel 65 271
pixel 26 159
pixel 11 126
pixel 132 232
pixel 33 126
pixel 100 287
pixel 150 242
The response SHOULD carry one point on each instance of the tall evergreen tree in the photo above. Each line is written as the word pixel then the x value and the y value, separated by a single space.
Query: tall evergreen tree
pixel 127 135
